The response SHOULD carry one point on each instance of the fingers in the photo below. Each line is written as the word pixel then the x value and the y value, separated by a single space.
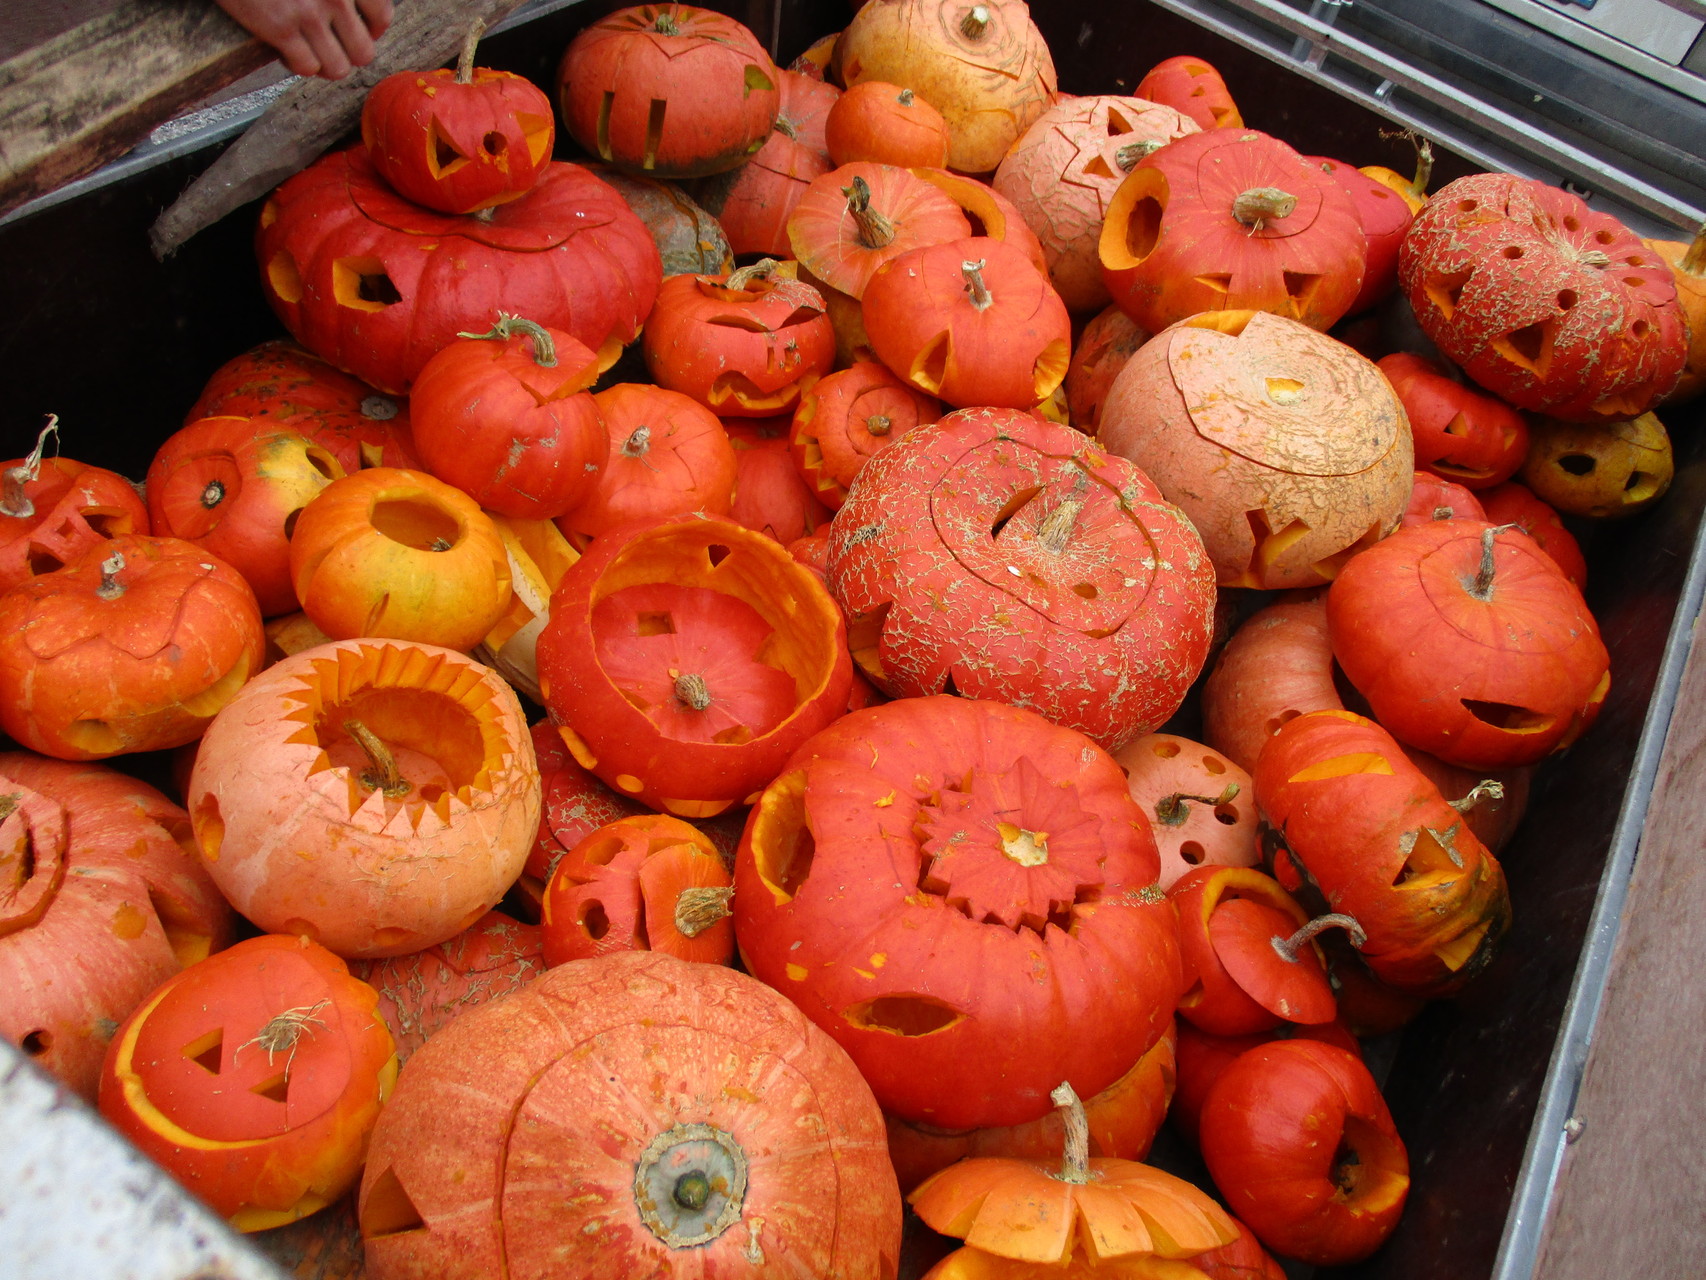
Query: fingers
pixel 334 62
pixel 316 37
pixel 377 14
pixel 297 57
pixel 351 31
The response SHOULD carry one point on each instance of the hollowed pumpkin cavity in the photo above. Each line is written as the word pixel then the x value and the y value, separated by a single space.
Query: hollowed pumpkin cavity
pixel 909 1015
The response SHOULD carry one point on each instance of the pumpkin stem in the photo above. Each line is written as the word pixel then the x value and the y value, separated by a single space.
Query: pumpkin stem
pixel 698 908
pixel 283 1031
pixel 508 326
pixel 635 446
pixel 382 773
pixel 692 1190
pixel 879 424
pixel 111 588
pixel 1694 261
pixel 465 62
pixel 1075 1159
pixel 1171 811
pixel 979 291
pixel 1424 163
pixel 693 690
pixel 1055 529
pixel 1128 156
pixel 1443 513
pixel 1255 206
pixel 1288 948
pixel 875 231
pixel 13 500
pixel 1486 789
pixel 975 23
pixel 666 24
pixel 743 278
pixel 904 97
pixel 1593 258
pixel 1481 587
pixel 786 127
pixel 379 408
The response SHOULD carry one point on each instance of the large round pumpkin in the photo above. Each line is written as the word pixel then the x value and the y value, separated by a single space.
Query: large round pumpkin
pixel 635 1115
pixel 375 795
pixel 377 285
pixel 105 900
pixel 962 894
pixel 999 556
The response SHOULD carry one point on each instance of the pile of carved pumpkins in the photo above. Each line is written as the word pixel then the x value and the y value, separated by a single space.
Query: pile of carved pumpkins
pixel 849 857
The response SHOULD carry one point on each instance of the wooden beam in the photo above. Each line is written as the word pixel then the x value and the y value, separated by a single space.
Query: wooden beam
pixel 90 95
pixel 309 118
pixel 1628 1200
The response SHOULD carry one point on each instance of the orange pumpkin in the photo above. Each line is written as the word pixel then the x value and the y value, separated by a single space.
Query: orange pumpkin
pixel 1101 352
pixel 52 510
pixel 1194 88
pixel 771 496
pixel 646 1117
pixel 1687 262
pixel 133 647
pixel 886 124
pixel 375 795
pixel 849 416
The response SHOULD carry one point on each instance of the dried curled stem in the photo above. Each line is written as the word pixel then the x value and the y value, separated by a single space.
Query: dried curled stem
pixel 465 61
pixel 1288 948
pixel 281 1033
pixel 13 500
pixel 508 326
pixel 976 289
pixel 1171 811
pixel 759 270
pixel 1486 789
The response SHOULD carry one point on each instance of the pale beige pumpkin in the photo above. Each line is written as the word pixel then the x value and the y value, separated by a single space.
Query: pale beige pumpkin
pixel 1064 171
pixel 1288 450
pixel 305 834
pixel 1200 806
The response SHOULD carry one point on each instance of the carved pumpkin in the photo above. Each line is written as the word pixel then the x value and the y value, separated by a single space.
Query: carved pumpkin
pixel 1194 89
pixel 1687 262
pixel 133 647
pixel 920 882
pixel 539 555
pixel 1602 470
pixel 686 659
pixel 422 992
pixel 849 416
pixel 374 795
pixel 575 805
pixel 236 486
pixel 1384 216
pixel 1460 434
pixel 1543 301
pixel 668 455
pixel 646 883
pixel 1102 350
pixel 399 554
pixel 984 66
pixel 886 124
pixel 54 510
pixel 744 345
pixel 736 1137
pixel 506 417
pixel 971 322
pixel 105 901
pixel 458 141
pixel 1230 220
pixel 1288 451
pixel 1002 557
pixel 668 90
pixel 857 217
pixel 1363 824
pixel 376 284
pixel 361 427
pixel 1200 807
pixel 1469 642
pixel 754 202
pixel 1064 171
pixel 254 1078
pixel 1201 1057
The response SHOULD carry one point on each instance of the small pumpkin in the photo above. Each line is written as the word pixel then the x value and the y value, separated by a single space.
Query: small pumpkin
pixel 1435 499
pixel 754 202
pixel 1687 260
pixel 1194 88
pixel 1202 1056
pixel 1513 503
pixel 848 417
pixel 1200 806
pixel 861 215
pixel 771 496
pixel 886 124
pixel 688 237
pixel 1603 470
pixel 1385 217
pixel 1460 434
pixel 53 510
pixel 1101 351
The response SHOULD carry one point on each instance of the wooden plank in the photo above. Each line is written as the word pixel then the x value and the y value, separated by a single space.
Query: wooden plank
pixel 1628 1199
pixel 309 118
pixel 89 95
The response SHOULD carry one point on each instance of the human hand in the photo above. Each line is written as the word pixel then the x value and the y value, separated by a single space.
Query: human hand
pixel 315 37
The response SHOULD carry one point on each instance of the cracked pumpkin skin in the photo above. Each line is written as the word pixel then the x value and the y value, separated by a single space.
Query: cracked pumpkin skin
pixel 932 904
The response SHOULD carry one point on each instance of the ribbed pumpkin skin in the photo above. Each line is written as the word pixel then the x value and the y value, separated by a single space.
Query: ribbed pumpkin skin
pixel 512 1142
pixel 716 85
pixel 1544 302
pixel 1097 617
pixel 376 285
pixel 113 904
pixel 976 920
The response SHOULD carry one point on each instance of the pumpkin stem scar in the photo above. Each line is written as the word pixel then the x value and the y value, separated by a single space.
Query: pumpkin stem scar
pixel 283 1031
pixel 976 289
pixel 1128 156
pixel 700 907
pixel 875 230
pixel 636 445
pixel 465 62
pixel 1486 789
pixel 13 500
pixel 693 690
pixel 382 775
pixel 973 25
pixel 904 97
pixel 111 588
pixel 1055 529
pixel 1289 947
pixel 1075 1159
pixel 879 424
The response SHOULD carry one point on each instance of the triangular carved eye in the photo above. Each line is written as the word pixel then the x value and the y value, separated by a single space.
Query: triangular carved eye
pixel 388 1210
pixel 274 1088
pixel 207 1051
pixel 444 156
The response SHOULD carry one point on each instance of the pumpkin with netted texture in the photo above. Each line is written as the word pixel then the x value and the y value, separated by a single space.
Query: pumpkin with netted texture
pixel 686 659
pixel 377 796
pixel 961 893
pixel 1000 556
pixel 105 901
pixel 1227 220
pixel 1063 173
pixel 1543 301
pixel 983 65
pixel 1101 351
pixel 644 1117
pixel 1288 450
pixel 376 284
